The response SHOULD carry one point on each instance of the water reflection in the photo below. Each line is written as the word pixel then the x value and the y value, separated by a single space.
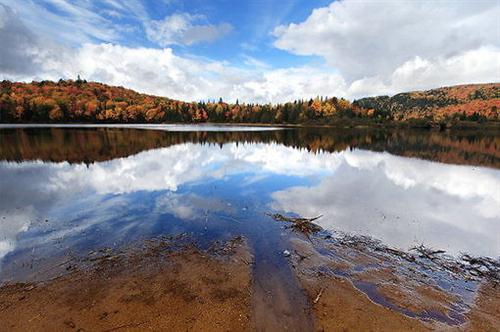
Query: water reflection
pixel 405 202
pixel 87 145
pixel 212 190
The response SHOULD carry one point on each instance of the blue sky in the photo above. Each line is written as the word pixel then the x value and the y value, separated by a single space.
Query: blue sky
pixel 251 22
pixel 262 51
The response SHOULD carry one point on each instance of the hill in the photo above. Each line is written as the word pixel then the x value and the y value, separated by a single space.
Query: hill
pixel 81 101
pixel 473 102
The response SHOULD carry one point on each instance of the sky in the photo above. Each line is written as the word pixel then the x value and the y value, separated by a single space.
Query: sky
pixel 255 50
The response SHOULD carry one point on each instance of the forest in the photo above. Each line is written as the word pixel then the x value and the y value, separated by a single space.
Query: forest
pixel 79 101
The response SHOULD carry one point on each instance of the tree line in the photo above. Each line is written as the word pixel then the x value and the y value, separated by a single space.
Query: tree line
pixel 81 101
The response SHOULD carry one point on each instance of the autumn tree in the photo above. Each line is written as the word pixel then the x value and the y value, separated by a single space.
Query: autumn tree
pixel 81 101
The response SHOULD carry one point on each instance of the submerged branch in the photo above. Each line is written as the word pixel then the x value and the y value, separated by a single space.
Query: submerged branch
pixel 302 225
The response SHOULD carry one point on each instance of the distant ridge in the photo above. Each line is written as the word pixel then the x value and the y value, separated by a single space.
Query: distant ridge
pixel 469 101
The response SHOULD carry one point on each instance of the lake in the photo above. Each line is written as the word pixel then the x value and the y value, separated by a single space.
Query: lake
pixel 81 188
pixel 150 219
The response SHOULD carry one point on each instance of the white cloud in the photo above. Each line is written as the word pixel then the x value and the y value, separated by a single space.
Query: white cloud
pixel 374 37
pixel 250 61
pixel 372 60
pixel 161 72
pixel 480 65
pixel 282 85
pixel 158 71
pixel 17 51
pixel 180 29
pixel 473 66
pixel 401 45
pixel 73 23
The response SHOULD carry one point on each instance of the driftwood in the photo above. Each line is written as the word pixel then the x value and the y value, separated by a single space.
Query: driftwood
pixel 427 252
pixel 303 225
pixel 475 268
pixel 482 267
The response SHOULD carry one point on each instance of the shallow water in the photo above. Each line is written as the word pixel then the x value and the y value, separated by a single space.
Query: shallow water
pixel 67 191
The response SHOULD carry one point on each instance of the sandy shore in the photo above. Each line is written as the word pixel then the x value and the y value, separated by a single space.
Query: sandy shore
pixel 177 287
pixel 158 289
pixel 361 290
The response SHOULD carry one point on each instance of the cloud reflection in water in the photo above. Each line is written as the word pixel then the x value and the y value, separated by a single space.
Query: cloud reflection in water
pixel 402 201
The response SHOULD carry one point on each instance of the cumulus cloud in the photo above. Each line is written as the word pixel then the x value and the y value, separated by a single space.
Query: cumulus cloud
pixel 480 65
pixel 472 66
pixel 288 84
pixel 392 46
pixel 367 51
pixel 17 51
pixel 373 38
pixel 181 29
pixel 157 71
pixel 162 72
pixel 154 71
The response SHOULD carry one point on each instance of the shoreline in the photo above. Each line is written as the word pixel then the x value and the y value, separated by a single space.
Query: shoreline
pixel 170 281
pixel 461 125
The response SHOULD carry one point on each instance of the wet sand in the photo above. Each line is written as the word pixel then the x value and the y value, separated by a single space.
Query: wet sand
pixel 361 290
pixel 160 289
pixel 174 285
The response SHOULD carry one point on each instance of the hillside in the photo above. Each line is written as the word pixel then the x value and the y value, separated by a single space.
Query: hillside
pixel 473 102
pixel 81 101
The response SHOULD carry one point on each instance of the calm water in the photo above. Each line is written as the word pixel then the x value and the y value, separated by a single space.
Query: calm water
pixel 71 190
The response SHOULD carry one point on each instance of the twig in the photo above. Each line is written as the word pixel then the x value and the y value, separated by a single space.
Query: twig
pixel 316 300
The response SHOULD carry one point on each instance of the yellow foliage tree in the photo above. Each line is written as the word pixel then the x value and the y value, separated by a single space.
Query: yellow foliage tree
pixel 56 114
